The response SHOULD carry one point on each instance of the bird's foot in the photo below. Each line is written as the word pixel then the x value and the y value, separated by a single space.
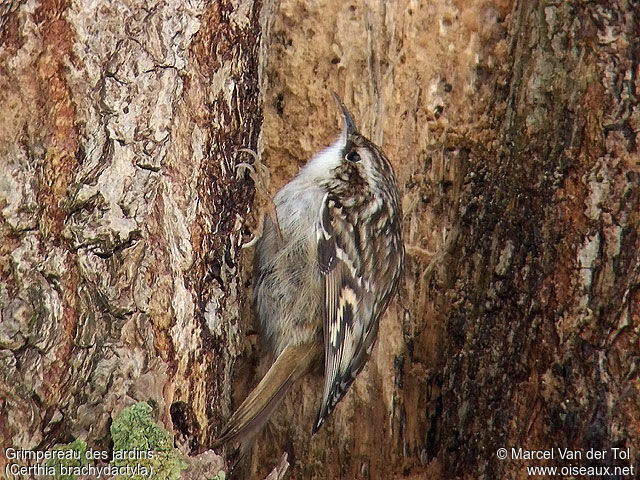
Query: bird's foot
pixel 261 177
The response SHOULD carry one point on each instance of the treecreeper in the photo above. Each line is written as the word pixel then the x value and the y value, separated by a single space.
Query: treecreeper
pixel 325 270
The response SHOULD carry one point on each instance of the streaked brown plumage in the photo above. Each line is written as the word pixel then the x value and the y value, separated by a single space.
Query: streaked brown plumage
pixel 321 288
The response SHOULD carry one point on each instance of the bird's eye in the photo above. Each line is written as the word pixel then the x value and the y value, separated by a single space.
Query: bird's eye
pixel 352 156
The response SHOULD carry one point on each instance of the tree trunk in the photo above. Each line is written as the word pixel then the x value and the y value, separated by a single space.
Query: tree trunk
pixel 122 213
pixel 542 333
pixel 512 127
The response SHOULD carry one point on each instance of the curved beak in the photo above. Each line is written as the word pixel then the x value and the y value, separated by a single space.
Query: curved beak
pixel 349 123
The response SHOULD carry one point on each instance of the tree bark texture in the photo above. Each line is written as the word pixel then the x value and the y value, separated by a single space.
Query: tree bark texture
pixel 122 214
pixel 512 127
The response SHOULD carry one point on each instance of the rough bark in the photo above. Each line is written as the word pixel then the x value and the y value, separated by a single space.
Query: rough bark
pixel 122 214
pixel 512 127
pixel 543 329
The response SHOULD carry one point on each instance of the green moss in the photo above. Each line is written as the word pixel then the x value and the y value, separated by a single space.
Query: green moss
pixel 139 442
pixel 79 448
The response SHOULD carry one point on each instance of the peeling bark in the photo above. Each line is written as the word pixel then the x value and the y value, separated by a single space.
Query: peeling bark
pixel 122 214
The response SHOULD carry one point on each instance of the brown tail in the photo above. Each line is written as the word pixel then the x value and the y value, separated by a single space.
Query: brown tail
pixel 292 364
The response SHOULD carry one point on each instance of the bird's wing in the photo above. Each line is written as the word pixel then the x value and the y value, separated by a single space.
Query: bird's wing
pixel 349 324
